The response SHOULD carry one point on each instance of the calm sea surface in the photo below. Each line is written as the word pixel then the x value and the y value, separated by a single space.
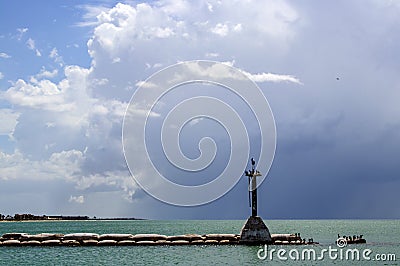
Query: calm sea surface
pixel 382 238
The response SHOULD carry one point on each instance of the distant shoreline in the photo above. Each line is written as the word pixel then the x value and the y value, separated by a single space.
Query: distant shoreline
pixel 75 220
pixel 51 218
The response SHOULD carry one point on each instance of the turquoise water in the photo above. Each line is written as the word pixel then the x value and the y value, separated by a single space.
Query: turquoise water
pixel 382 238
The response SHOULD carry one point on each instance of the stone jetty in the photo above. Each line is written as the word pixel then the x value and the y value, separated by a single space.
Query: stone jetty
pixel 91 239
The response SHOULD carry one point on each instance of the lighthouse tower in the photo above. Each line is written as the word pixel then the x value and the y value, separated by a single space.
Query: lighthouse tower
pixel 254 230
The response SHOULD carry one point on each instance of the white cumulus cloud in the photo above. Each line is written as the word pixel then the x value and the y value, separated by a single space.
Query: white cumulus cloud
pixel 263 77
pixel 21 32
pixel 4 55
pixel 9 120
pixel 77 199
pixel 30 43
pixel 56 57
pixel 46 73
pixel 220 29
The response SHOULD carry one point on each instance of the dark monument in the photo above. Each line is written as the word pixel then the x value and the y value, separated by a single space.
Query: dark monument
pixel 254 230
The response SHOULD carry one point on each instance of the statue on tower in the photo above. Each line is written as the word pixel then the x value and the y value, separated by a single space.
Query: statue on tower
pixel 254 231
pixel 252 175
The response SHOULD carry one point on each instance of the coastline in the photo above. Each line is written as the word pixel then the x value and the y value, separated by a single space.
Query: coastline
pixel 74 220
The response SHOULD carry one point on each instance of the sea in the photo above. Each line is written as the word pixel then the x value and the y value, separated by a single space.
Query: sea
pixel 382 247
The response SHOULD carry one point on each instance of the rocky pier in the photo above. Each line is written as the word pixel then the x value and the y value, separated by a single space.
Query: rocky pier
pixel 91 239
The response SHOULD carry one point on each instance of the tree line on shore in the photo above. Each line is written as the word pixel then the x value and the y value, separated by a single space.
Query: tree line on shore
pixel 30 217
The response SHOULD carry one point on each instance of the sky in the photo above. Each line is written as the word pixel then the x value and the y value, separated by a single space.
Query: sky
pixel 329 70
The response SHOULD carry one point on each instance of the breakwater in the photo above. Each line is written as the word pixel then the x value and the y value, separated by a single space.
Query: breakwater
pixel 91 239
